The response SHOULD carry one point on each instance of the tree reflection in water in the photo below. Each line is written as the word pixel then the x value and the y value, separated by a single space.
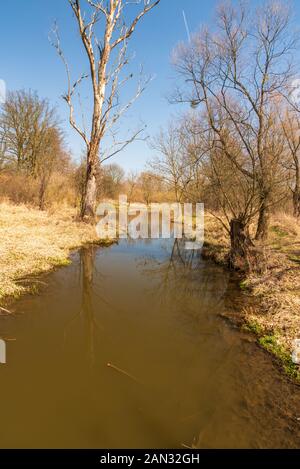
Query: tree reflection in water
pixel 86 313
pixel 180 275
pixel 87 261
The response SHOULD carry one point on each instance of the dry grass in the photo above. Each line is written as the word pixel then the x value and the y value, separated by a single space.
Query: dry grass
pixel 216 245
pixel 32 242
pixel 277 290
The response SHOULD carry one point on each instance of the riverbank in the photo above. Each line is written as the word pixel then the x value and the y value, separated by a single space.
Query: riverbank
pixel 274 316
pixel 33 242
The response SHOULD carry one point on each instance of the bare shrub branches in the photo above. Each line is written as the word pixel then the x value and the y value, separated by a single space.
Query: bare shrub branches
pixel 238 74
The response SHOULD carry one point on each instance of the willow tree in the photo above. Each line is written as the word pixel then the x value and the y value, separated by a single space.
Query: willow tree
pixel 104 33
pixel 291 129
pixel 236 72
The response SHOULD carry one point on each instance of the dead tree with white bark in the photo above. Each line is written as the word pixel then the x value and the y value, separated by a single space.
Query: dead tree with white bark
pixel 104 33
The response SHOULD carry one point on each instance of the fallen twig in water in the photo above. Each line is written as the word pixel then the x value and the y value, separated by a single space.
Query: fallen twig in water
pixel 5 311
pixel 8 339
pixel 186 446
pixel 110 365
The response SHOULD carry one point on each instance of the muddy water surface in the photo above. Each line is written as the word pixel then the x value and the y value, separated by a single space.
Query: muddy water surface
pixel 126 348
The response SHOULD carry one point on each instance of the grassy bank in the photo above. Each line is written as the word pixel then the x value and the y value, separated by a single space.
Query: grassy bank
pixel 274 315
pixel 32 242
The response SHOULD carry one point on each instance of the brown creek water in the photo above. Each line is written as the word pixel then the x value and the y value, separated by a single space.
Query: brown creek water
pixel 126 348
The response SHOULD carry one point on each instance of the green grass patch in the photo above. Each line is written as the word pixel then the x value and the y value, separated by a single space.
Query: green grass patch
pixel 279 232
pixel 58 261
pixel 244 285
pixel 294 258
pixel 254 327
pixel 271 344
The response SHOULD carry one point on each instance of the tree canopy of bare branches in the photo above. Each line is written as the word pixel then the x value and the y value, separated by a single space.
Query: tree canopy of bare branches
pixel 237 73
pixel 104 34
pixel 24 127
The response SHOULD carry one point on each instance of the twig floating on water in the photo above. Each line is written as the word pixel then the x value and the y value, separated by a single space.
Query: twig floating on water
pixel 110 365
pixel 8 339
pixel 5 311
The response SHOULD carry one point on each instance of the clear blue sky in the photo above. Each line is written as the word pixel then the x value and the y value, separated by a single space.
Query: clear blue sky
pixel 27 59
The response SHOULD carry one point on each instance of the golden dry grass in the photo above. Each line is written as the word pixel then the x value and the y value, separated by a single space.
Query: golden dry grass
pixel 32 242
pixel 216 239
pixel 277 289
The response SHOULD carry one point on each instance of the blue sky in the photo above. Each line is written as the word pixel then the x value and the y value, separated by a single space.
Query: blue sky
pixel 27 60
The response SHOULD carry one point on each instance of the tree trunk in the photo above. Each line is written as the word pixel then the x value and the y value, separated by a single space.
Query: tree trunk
pixel 263 219
pixel 240 245
pixel 296 202
pixel 296 192
pixel 88 211
pixel 42 193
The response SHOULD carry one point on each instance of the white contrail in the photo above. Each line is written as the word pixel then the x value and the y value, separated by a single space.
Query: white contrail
pixel 187 26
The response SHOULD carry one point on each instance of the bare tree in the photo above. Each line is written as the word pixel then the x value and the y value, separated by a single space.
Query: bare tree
pixel 149 184
pixel 3 149
pixel 131 183
pixel 111 180
pixel 181 148
pixel 291 129
pixel 25 121
pixel 237 74
pixel 31 141
pixel 169 164
pixel 107 57
pixel 52 157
